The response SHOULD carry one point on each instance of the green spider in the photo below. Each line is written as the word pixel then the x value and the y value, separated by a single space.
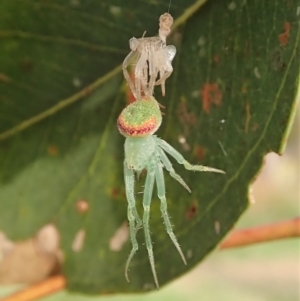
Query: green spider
pixel 143 150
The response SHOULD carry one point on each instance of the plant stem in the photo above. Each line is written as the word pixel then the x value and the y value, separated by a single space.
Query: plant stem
pixel 286 229
pixel 39 290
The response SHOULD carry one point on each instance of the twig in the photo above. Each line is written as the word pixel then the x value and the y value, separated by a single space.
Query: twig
pixel 39 290
pixel 286 229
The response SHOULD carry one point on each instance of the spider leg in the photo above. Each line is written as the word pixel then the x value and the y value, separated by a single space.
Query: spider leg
pixel 134 219
pixel 168 165
pixel 180 159
pixel 126 74
pixel 160 183
pixel 146 204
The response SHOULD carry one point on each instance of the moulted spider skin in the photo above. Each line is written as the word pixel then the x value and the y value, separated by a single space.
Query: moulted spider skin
pixel 143 150
pixel 153 60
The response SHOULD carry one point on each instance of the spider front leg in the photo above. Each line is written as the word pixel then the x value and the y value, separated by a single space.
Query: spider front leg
pixel 135 222
pixel 180 159
pixel 161 191
pixel 146 204
pixel 168 165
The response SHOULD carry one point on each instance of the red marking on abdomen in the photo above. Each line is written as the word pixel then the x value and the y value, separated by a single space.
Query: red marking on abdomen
pixel 147 128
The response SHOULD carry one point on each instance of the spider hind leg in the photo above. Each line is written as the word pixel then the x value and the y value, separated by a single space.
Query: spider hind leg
pixel 161 191
pixel 135 222
pixel 146 205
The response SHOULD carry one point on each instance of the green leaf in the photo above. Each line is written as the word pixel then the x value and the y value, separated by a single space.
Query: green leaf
pixel 229 101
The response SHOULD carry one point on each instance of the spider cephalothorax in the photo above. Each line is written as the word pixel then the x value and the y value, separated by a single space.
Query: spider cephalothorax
pixel 145 151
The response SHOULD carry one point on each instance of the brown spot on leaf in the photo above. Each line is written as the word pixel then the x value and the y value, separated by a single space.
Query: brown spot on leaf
pixel 284 37
pixel 186 118
pixel 192 210
pixel 26 65
pixel 244 88
pixel 52 150
pixel 216 59
pixel 199 152
pixel 211 94
pixel 88 91
pixel 5 79
pixel 255 127
pixel 248 116
pixel 82 206
pixel 116 192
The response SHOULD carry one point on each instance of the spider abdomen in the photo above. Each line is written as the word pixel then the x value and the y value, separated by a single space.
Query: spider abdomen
pixel 139 151
pixel 140 119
